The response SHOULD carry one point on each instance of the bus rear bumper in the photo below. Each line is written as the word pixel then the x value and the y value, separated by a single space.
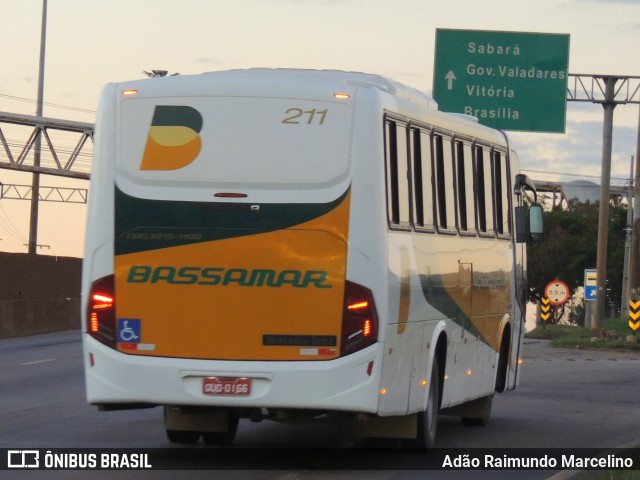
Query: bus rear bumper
pixel 114 380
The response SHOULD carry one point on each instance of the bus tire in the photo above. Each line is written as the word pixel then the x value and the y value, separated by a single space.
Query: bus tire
pixel 503 362
pixel 428 419
pixel 223 438
pixel 183 436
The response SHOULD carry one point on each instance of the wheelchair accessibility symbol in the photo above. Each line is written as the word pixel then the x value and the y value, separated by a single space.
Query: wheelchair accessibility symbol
pixel 129 330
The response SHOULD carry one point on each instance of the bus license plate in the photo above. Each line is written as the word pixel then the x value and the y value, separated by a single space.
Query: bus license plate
pixel 226 386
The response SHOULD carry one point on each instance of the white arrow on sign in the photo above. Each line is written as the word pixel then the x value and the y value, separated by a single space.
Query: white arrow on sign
pixel 450 77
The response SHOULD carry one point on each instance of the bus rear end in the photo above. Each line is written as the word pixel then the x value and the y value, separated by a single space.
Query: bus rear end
pixel 217 242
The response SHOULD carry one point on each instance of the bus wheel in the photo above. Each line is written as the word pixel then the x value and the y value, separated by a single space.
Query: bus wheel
pixel 428 419
pixel 183 436
pixel 223 438
pixel 503 364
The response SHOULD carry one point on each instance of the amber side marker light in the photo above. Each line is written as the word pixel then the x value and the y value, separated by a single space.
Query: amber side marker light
pixel 129 92
pixel 341 96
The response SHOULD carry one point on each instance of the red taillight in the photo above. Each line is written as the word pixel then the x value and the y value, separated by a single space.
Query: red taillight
pixel 359 319
pixel 101 315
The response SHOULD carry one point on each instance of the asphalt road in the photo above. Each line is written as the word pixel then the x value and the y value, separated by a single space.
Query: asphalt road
pixel 566 399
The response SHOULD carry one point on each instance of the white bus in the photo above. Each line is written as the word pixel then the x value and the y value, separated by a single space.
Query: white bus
pixel 292 244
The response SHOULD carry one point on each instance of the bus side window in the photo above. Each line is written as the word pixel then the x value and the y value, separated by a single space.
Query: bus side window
pixel 501 189
pixel 464 177
pixel 422 171
pixel 484 194
pixel 397 175
pixel 444 182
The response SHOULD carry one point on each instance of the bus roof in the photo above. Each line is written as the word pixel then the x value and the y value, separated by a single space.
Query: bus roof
pixel 280 82
pixel 308 83
pixel 346 78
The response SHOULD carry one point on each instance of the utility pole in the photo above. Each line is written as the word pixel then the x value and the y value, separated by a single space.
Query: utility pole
pixel 634 265
pixel 35 185
pixel 624 304
pixel 603 213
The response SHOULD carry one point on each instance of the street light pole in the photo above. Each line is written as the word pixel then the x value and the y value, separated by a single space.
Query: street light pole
pixel 35 184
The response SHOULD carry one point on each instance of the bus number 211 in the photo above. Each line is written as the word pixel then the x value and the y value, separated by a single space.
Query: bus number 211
pixel 298 115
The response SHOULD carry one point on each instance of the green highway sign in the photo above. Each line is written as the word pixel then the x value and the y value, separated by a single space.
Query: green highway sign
pixel 508 80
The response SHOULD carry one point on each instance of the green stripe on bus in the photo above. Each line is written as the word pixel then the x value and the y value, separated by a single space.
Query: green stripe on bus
pixel 143 224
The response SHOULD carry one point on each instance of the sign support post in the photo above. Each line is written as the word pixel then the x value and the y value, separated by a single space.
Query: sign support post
pixel 603 212
pixel 590 289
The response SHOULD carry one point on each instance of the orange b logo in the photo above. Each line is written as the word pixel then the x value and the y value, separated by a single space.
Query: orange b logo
pixel 174 140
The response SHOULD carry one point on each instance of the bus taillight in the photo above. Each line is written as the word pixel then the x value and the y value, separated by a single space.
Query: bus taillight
pixel 101 314
pixel 366 328
pixel 359 319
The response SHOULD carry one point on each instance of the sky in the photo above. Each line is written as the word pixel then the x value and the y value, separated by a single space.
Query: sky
pixel 93 42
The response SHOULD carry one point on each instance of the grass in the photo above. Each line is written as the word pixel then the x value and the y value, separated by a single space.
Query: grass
pixel 574 336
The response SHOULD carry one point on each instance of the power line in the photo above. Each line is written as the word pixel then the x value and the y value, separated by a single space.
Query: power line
pixel 55 105
pixel 8 226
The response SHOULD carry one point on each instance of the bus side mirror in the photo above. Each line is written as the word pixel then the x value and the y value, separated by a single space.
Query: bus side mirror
pixel 536 225
pixel 534 229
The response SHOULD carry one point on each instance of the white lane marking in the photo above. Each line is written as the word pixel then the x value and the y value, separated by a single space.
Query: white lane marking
pixel 35 362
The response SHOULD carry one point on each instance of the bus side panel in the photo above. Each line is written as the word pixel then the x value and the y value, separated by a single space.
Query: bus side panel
pixel 520 288
pixel 442 278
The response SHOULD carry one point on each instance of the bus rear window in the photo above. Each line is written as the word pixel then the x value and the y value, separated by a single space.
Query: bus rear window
pixel 256 142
